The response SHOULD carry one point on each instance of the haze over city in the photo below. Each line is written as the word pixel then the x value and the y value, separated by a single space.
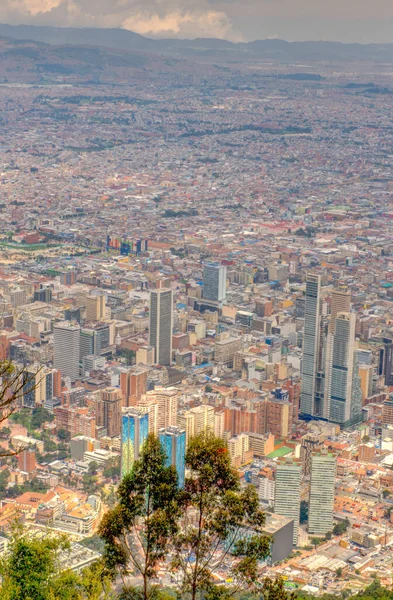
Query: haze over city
pixel 237 20
pixel 196 289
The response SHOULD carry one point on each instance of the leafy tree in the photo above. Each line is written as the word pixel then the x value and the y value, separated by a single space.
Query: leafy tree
pixel 341 527
pixel 30 571
pixel 138 530
pixel 63 434
pixel 50 445
pixel 89 484
pixel 218 519
pixel 93 467
pixel 339 572
pixel 40 416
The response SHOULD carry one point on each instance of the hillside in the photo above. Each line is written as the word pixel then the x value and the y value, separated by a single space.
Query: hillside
pixel 121 39
pixel 32 62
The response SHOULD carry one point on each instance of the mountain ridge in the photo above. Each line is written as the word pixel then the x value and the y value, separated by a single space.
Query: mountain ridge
pixel 276 49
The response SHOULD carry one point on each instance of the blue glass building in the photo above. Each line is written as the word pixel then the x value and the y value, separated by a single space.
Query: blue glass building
pixel 134 431
pixel 173 442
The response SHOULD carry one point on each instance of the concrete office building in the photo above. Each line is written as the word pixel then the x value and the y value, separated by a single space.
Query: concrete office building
pixel 323 475
pixel 161 324
pixel 287 493
pixel 214 282
pixel 108 410
pixel 66 349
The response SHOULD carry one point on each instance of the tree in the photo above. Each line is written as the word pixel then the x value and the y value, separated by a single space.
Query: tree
pixel 339 572
pixel 218 520
pixel 40 416
pixel 93 467
pixel 15 382
pixel 63 434
pixel 341 527
pixel 30 571
pixel 138 530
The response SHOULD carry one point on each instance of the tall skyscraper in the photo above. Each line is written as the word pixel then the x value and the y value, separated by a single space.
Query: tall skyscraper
pixel 134 432
pixel 323 475
pixel 108 410
pixel 161 324
pixel 312 393
pixel 95 307
pixel 214 282
pixel 66 349
pixel 133 383
pixel 344 394
pixel 94 339
pixel 287 493
pixel 173 442
pixel 340 302
pixel 167 399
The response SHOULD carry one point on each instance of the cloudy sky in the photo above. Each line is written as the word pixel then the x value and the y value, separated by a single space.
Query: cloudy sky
pixel 238 20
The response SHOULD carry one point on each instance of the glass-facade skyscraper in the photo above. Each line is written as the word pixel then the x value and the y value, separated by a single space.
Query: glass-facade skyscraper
pixel 312 393
pixel 134 432
pixel 173 442
pixel 214 282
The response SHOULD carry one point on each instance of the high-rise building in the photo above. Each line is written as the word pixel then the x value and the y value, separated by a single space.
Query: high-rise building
pixel 134 432
pixel 66 349
pixel 26 460
pixel 214 282
pixel 94 339
pixel 43 294
pixel 344 394
pixel 340 302
pixel 279 417
pixel 312 393
pixel 323 475
pixel 108 410
pixel 173 442
pixel 287 493
pixel 95 307
pixel 133 383
pixel 197 420
pixel 161 324
pixel 167 399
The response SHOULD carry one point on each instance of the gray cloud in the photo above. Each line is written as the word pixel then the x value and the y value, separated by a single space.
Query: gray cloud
pixel 346 20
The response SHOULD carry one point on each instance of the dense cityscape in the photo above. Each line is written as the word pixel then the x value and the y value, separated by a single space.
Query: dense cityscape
pixel 202 250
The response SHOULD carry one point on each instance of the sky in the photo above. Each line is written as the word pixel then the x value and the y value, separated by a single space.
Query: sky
pixel 361 21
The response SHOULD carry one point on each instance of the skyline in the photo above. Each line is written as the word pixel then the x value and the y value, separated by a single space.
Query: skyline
pixel 227 19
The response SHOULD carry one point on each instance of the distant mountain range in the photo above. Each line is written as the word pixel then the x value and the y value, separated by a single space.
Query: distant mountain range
pixel 121 39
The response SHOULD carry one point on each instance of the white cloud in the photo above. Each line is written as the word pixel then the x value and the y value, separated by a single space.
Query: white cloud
pixel 209 23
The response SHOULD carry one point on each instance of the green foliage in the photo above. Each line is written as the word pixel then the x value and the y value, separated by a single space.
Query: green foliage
pixel 63 434
pixel 40 416
pixel 218 518
pixel 31 572
pixel 138 530
pixel 93 467
pixel 29 569
pixel 341 527
pixel 89 484
pixel 94 543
